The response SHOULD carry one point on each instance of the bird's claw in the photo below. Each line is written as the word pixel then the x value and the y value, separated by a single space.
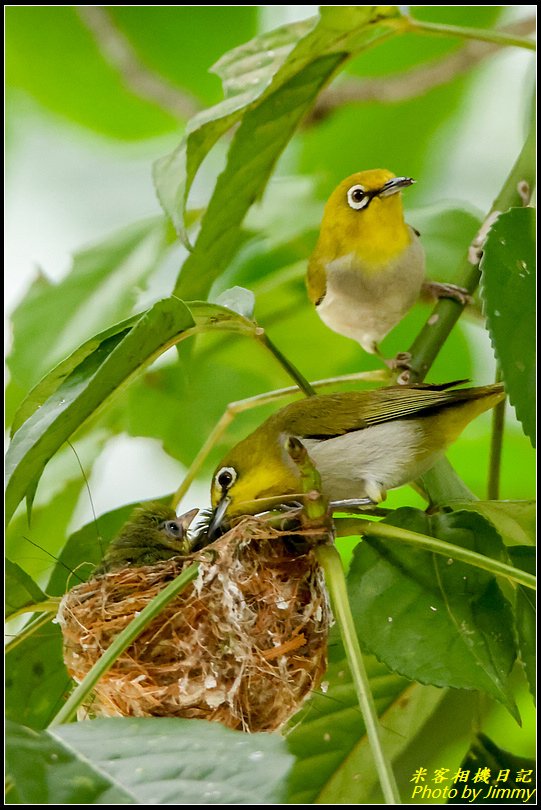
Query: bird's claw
pixel 437 289
pixel 401 362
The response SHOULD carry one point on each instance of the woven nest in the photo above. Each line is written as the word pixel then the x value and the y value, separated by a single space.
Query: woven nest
pixel 243 644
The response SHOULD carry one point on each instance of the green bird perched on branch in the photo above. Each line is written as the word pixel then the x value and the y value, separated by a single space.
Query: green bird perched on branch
pixel 152 534
pixel 363 443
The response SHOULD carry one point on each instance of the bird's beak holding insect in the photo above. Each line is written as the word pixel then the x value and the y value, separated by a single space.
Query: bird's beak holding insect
pixel 217 517
pixel 394 185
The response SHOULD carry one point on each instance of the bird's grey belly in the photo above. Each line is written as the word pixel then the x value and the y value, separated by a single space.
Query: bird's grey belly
pixel 366 306
pixel 386 455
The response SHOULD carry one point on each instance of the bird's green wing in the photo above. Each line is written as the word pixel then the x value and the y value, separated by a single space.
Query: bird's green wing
pixel 336 414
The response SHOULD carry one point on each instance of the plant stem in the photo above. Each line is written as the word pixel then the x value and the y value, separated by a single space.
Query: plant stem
pixel 39 621
pixel 331 563
pixel 47 606
pixel 345 527
pixel 497 37
pixel 496 443
pixel 303 384
pixel 122 642
pixel 436 330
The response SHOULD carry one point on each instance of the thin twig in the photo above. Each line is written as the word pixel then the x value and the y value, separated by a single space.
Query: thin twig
pixel 496 444
pixel 411 83
pixel 118 51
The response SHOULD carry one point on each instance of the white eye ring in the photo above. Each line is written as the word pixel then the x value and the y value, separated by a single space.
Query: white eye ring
pixel 225 478
pixel 362 199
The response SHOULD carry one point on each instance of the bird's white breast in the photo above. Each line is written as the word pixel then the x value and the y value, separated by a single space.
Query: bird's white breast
pixel 386 454
pixel 365 305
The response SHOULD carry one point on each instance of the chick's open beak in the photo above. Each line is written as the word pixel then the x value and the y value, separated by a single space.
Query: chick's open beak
pixel 394 185
pixel 217 517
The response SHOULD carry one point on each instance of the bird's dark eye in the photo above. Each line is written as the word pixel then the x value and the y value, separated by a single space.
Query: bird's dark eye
pixel 226 477
pixel 357 197
pixel 171 527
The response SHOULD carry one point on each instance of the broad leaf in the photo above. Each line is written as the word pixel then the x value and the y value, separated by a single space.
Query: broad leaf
pixel 100 289
pixel 508 289
pixel 239 300
pixel 147 761
pixel 334 762
pixel 21 590
pixel 100 375
pixel 36 678
pixel 51 381
pixel 518 787
pixel 525 615
pixel 270 112
pixel 85 390
pixel 514 520
pixel 435 620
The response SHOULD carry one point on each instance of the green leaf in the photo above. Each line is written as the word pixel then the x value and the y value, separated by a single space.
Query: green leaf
pixel 147 761
pixel 51 381
pixel 100 289
pixel 484 754
pixel 100 375
pixel 508 290
pixel 239 300
pixel 262 135
pixel 175 173
pixel 21 590
pixel 270 107
pixel 36 678
pixel 515 521
pixel 525 615
pixel 85 390
pixel 334 762
pixel 180 42
pixel 437 622
pixel 43 770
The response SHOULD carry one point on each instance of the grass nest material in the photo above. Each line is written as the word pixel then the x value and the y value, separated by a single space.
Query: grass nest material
pixel 243 644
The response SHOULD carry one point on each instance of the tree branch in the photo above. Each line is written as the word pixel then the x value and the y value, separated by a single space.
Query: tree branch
pixel 436 330
pixel 411 83
pixel 118 51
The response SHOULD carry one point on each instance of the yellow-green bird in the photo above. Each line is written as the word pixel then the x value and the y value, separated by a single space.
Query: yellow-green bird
pixel 153 533
pixel 368 267
pixel 362 443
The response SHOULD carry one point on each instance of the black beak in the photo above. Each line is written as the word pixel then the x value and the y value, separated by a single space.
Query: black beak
pixel 217 518
pixel 394 185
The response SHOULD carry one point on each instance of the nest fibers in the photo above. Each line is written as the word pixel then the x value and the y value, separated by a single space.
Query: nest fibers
pixel 243 644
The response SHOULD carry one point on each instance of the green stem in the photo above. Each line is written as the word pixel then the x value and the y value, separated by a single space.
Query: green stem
pixel 331 563
pixel 345 527
pixel 496 444
pixel 497 37
pixel 447 312
pixel 47 606
pixel 121 643
pixel 29 629
pixel 290 369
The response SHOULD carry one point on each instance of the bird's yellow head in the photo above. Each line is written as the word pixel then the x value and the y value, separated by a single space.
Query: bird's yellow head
pixel 256 475
pixel 364 215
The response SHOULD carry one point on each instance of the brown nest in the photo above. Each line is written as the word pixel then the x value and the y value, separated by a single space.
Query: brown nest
pixel 243 644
